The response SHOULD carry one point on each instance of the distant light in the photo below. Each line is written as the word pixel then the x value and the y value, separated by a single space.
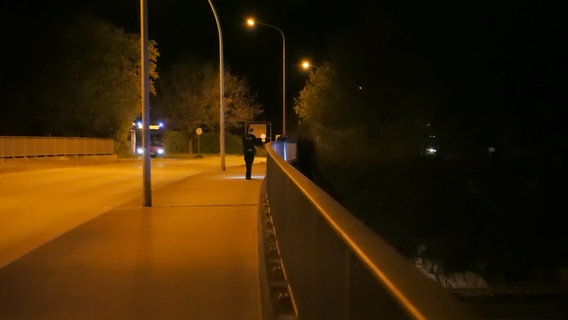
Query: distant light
pixel 139 124
pixel 250 22
pixel 263 136
pixel 160 151
pixel 431 150
pixel 139 150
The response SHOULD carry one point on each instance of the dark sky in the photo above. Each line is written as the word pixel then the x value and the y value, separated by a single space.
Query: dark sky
pixel 184 29
pixel 477 45
pixel 188 28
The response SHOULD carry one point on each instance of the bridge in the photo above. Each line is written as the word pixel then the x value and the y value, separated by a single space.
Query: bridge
pixel 216 246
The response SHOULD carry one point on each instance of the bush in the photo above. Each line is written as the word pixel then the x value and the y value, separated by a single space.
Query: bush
pixel 208 142
pixel 470 215
pixel 176 142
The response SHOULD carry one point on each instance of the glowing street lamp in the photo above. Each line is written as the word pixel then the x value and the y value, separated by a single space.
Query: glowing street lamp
pixel 251 23
pixel 307 65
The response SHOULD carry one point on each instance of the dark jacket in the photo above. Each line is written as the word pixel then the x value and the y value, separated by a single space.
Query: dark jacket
pixel 249 142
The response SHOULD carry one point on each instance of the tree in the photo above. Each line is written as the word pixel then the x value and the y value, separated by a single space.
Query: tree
pixel 82 76
pixel 98 89
pixel 240 103
pixel 491 79
pixel 189 97
pixel 328 107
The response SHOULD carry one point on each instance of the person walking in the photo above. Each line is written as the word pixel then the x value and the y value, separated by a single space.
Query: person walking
pixel 249 149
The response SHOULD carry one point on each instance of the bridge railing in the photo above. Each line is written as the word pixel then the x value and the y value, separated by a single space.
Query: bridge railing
pixel 336 267
pixel 24 147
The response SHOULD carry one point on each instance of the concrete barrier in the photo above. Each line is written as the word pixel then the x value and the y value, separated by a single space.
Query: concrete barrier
pixel 31 147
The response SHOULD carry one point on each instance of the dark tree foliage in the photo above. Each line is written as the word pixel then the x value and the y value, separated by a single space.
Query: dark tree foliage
pixel 484 84
pixel 188 98
pixel 69 74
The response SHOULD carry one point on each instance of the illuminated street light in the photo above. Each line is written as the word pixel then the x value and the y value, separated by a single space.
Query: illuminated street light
pixel 251 23
pixel 307 65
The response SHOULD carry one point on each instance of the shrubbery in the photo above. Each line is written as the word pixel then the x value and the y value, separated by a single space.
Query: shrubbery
pixel 497 218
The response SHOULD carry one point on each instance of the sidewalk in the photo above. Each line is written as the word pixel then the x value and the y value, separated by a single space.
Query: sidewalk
pixel 192 255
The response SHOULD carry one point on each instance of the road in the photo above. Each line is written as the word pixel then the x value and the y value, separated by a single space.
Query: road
pixel 37 206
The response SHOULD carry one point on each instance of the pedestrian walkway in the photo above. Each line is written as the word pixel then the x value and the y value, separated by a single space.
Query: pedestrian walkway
pixel 192 255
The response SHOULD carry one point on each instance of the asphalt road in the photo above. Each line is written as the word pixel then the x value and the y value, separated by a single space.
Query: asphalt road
pixel 78 244
pixel 42 199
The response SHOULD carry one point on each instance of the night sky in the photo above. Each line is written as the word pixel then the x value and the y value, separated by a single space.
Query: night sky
pixel 471 48
pixel 188 28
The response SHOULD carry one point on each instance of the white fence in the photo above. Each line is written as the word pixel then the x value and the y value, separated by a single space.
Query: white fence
pixel 24 147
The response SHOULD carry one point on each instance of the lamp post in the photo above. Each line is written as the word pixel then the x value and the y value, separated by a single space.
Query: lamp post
pixel 144 91
pixel 221 91
pixel 251 23
pixel 145 101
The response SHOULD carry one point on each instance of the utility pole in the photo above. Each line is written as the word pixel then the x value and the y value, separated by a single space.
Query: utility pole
pixel 144 92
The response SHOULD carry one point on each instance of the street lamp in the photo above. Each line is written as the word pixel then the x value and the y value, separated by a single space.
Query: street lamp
pixel 307 65
pixel 145 101
pixel 251 23
pixel 221 90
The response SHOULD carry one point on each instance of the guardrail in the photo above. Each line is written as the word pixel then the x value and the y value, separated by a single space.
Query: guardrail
pixel 335 266
pixel 24 147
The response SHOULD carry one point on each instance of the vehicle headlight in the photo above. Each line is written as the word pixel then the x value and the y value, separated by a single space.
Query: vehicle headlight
pixel 139 150
pixel 160 151
pixel 431 150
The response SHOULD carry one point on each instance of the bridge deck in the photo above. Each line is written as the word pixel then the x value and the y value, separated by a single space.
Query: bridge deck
pixel 193 254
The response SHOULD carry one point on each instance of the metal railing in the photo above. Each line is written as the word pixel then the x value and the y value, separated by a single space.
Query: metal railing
pixel 24 147
pixel 338 268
